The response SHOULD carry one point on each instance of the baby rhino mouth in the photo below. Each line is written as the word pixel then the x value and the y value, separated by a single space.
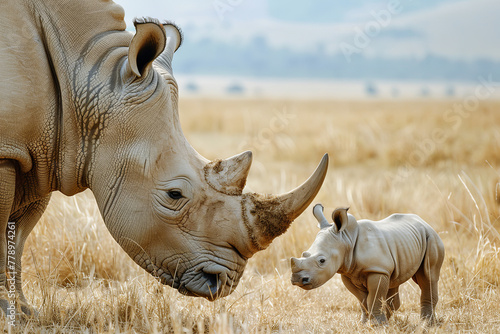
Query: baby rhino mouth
pixel 302 279
pixel 212 281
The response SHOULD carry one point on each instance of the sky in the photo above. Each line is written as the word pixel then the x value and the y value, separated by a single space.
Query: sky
pixel 462 30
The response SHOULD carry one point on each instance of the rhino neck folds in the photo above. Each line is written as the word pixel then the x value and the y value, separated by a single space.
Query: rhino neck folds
pixel 144 261
pixel 349 239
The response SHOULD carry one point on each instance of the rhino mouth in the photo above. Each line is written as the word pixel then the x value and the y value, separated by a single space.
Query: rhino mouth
pixel 207 279
pixel 304 286
pixel 211 282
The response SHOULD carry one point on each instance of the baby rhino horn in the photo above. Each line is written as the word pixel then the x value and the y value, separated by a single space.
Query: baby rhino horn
pixel 229 176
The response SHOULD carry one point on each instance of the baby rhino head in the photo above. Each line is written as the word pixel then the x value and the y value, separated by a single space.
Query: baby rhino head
pixel 326 255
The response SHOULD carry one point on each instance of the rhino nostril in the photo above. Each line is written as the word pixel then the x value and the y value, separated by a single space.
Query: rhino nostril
pixel 304 280
pixel 212 282
pixel 216 276
pixel 212 279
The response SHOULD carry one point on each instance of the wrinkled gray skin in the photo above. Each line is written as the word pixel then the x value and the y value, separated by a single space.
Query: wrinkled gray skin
pixel 87 105
pixel 374 259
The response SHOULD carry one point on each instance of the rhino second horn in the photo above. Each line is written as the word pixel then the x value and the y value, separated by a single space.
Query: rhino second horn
pixel 229 176
pixel 320 217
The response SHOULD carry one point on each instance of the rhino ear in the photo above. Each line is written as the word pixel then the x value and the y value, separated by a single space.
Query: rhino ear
pixel 229 176
pixel 147 44
pixel 174 41
pixel 340 219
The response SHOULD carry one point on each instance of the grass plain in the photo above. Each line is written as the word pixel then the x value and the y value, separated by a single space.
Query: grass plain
pixel 424 157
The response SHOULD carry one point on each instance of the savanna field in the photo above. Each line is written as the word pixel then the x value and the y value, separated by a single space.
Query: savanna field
pixel 422 157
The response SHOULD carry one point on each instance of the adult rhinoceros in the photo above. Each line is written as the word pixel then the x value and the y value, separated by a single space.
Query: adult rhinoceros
pixel 85 104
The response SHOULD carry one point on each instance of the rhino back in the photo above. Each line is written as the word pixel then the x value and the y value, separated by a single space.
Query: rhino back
pixel 396 245
pixel 41 43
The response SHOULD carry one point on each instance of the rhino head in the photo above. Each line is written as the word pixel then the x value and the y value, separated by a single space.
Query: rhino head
pixel 328 253
pixel 181 217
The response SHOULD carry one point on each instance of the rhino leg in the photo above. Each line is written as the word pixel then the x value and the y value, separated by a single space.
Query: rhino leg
pixel 378 287
pixel 360 294
pixel 24 225
pixel 427 277
pixel 7 192
pixel 393 302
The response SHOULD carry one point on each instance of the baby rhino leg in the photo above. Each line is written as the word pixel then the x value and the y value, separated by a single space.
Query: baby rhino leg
pixel 393 302
pixel 427 278
pixel 378 287
pixel 361 295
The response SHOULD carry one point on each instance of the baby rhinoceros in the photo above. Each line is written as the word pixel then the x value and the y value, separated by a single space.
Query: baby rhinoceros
pixel 374 259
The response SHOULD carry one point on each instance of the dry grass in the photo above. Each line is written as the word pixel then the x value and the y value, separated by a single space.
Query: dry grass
pixel 385 158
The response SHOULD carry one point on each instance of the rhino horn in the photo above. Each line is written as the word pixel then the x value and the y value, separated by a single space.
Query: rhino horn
pixel 320 217
pixel 297 200
pixel 229 176
pixel 272 215
pixel 294 264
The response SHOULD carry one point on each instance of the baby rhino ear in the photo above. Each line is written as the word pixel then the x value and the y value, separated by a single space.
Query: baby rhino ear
pixel 320 217
pixel 340 219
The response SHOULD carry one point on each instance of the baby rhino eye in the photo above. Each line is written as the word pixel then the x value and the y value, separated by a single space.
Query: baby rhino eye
pixel 175 194
pixel 322 261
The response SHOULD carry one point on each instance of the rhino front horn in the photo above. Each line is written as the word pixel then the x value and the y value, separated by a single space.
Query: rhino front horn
pixel 297 200
pixel 269 216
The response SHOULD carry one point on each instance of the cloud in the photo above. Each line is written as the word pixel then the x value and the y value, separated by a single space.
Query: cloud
pixel 401 34
pixel 458 29
pixel 313 11
pixel 179 11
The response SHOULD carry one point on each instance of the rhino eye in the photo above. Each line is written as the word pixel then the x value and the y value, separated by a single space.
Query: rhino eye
pixel 175 194
pixel 169 198
pixel 322 261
